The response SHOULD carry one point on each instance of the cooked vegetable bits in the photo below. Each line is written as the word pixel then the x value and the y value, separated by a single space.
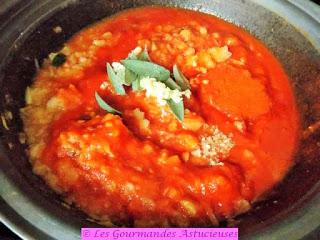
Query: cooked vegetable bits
pixel 161 117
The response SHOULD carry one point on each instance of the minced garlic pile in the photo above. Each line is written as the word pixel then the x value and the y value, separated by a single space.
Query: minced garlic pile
pixel 214 147
pixel 161 92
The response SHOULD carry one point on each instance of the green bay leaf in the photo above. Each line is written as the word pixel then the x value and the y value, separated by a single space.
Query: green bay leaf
pixel 144 56
pixel 181 80
pixel 104 105
pixel 147 69
pixel 130 77
pixel 177 108
pixel 115 80
pixel 136 85
pixel 170 83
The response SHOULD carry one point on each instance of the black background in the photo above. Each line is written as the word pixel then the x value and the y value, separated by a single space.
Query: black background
pixel 6 234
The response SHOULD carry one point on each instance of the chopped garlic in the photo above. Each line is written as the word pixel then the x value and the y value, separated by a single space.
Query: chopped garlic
pixel 214 147
pixel 155 89
pixel 176 95
pixel 187 93
pixel 161 91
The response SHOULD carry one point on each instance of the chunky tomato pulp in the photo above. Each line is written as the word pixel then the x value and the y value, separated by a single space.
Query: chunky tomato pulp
pixel 145 167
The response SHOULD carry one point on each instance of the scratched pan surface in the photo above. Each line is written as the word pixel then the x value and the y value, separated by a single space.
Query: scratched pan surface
pixel 289 28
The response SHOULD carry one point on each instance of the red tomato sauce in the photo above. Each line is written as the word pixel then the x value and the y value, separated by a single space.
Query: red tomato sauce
pixel 119 171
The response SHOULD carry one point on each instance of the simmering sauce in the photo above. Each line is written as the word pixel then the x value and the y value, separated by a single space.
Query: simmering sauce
pixel 145 167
